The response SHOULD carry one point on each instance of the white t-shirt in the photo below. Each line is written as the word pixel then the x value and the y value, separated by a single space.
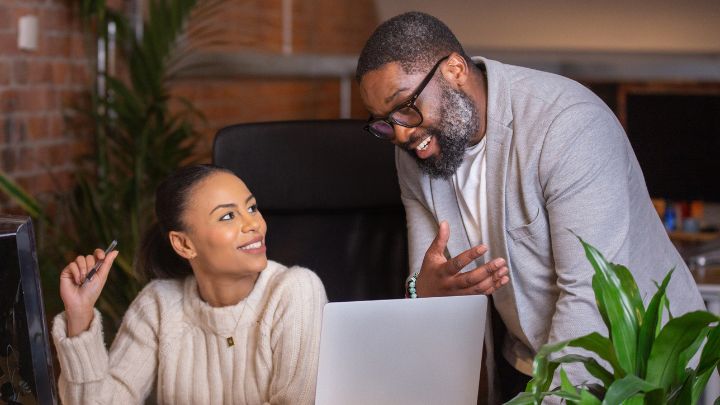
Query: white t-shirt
pixel 470 189
pixel 470 185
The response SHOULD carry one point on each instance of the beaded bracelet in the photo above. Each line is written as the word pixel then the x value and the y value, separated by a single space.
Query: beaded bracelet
pixel 410 291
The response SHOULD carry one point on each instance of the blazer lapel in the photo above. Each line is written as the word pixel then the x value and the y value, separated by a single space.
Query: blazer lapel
pixel 498 144
pixel 447 209
pixel 499 139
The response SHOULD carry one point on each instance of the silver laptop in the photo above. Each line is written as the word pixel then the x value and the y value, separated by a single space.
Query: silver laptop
pixel 407 351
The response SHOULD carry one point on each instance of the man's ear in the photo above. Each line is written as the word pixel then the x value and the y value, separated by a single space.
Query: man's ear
pixel 455 70
pixel 182 244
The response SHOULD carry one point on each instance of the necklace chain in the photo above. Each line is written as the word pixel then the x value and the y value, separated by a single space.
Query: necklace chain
pixel 230 341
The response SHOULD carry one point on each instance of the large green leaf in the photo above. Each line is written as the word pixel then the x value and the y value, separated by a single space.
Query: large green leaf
pixel 625 388
pixel 600 345
pixel 565 383
pixel 27 202
pixel 649 326
pixel 687 354
pixel 618 305
pixel 638 399
pixel 630 288
pixel 709 361
pixel 675 337
pixel 711 351
pixel 570 397
pixel 659 396
pixel 591 365
pixel 682 392
pixel 586 398
pixel 544 368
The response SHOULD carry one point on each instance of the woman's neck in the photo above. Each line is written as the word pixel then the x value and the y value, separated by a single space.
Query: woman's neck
pixel 225 291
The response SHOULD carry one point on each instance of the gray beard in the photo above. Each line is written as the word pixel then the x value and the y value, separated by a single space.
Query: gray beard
pixel 459 122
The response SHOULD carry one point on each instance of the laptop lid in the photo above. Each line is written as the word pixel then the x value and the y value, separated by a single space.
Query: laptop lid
pixel 406 351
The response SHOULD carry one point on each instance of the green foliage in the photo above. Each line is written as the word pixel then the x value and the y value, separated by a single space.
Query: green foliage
pixel 138 138
pixel 22 198
pixel 649 360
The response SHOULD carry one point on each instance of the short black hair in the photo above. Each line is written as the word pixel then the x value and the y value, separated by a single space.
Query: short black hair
pixel 415 40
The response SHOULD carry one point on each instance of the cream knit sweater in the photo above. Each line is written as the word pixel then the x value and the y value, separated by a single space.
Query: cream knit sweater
pixel 171 338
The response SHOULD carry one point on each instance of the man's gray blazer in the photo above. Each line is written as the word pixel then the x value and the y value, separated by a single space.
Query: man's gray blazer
pixel 557 161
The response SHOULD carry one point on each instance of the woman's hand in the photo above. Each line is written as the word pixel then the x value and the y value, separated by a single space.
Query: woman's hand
pixel 78 295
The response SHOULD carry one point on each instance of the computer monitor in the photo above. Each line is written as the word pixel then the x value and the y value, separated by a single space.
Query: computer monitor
pixel 26 372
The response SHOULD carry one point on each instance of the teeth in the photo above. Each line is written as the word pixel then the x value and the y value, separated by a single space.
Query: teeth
pixel 252 246
pixel 424 144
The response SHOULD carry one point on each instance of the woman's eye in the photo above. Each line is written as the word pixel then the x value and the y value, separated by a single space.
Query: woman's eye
pixel 228 216
pixel 253 209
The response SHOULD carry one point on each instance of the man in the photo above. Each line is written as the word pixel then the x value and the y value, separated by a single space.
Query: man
pixel 514 161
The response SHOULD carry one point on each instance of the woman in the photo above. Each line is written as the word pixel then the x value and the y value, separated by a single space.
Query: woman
pixel 221 324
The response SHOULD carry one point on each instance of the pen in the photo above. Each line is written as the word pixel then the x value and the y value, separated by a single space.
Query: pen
pixel 99 263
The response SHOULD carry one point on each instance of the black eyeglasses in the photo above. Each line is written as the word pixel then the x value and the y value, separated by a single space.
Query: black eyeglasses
pixel 405 114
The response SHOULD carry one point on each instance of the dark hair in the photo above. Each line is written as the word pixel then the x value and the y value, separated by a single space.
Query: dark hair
pixel 415 40
pixel 156 258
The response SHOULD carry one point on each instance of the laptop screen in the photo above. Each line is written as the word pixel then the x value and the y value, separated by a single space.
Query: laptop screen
pixel 406 351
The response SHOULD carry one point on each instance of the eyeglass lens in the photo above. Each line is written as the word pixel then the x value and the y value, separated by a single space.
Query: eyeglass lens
pixel 381 129
pixel 406 116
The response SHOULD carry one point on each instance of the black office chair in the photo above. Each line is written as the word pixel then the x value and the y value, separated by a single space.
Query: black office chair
pixel 328 191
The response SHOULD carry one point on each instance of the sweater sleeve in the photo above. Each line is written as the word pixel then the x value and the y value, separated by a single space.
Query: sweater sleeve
pixel 88 374
pixel 295 338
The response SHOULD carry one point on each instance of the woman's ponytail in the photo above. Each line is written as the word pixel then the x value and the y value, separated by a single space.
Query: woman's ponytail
pixel 155 257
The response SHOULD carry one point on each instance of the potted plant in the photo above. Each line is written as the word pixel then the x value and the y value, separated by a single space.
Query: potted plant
pixel 649 360
pixel 140 134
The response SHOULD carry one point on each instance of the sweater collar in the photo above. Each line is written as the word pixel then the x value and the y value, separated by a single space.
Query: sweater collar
pixel 223 321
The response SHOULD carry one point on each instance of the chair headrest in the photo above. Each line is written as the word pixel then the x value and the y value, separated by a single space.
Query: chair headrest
pixel 306 165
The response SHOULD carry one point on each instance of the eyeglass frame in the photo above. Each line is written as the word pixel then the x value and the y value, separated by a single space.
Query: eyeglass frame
pixel 409 103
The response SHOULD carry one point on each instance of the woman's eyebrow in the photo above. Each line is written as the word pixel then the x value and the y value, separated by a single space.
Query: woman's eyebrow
pixel 249 198
pixel 229 205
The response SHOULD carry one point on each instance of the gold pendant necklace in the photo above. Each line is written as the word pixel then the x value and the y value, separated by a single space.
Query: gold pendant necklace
pixel 230 341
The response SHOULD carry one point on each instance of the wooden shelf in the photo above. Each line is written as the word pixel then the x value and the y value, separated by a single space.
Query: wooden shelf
pixel 694 236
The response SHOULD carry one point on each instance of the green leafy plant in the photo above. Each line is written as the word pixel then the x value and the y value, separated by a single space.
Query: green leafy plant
pixel 649 360
pixel 140 134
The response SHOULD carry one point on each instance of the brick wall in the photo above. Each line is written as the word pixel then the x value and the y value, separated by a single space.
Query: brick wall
pixel 318 27
pixel 36 145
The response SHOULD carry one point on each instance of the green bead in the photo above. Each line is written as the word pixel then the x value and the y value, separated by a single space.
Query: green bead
pixel 413 295
pixel 411 290
pixel 411 284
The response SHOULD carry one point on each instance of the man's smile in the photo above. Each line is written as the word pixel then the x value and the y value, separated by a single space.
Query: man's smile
pixel 424 144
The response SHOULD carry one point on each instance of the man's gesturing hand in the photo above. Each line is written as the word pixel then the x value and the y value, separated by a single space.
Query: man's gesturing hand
pixel 441 277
